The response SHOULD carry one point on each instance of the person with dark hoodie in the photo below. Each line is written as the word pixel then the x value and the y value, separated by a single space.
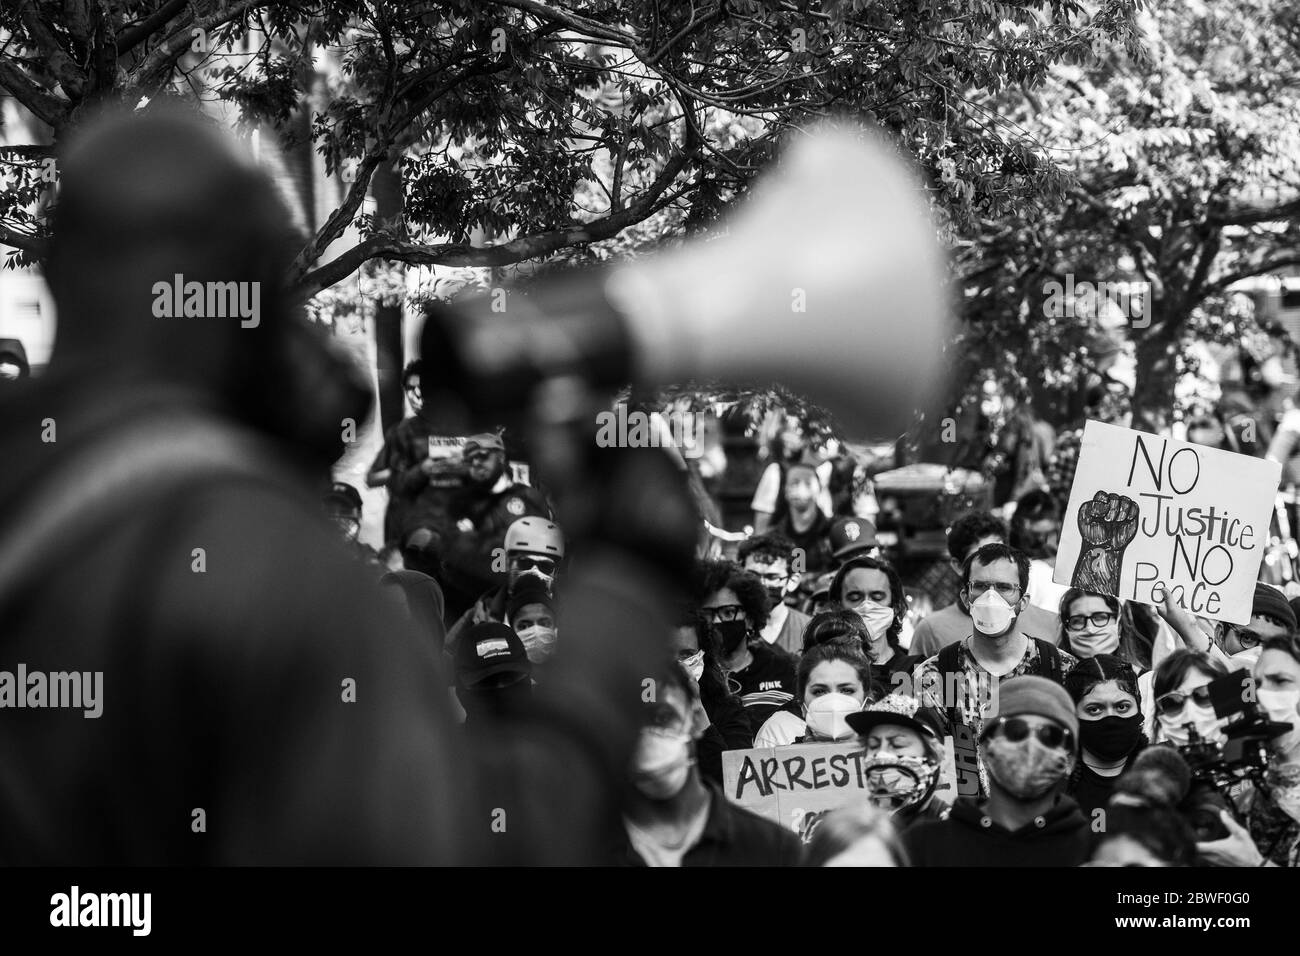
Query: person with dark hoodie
pixel 531 612
pixel 1029 750
pixel 181 496
pixel 494 678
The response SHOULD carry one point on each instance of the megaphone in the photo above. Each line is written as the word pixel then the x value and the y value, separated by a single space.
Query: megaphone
pixel 830 281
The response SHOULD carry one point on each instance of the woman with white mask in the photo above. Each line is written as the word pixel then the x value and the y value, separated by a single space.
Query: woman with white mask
pixel 1183 700
pixel 1093 624
pixel 833 681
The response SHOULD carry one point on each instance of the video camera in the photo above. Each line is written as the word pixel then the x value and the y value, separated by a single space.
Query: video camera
pixel 1217 767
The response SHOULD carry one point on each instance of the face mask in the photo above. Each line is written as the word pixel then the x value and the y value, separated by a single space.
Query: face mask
pixel 1025 769
pixel 731 634
pixel 662 763
pixel 539 642
pixel 1246 659
pixel 1207 723
pixel 694 665
pixel 775 596
pixel 1111 737
pixel 877 618
pixel 992 614
pixel 897 782
pixel 827 716
pixel 1281 707
pixel 547 579
pixel 1090 645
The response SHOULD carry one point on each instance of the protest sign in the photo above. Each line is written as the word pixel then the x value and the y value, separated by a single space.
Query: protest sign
pixel 1150 515
pixel 794 785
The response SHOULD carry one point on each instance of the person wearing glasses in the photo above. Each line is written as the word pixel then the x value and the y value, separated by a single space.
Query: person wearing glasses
pixel 1029 749
pixel 1182 698
pixel 771 558
pixel 532 551
pixel 1107 701
pixel 732 611
pixel 1271 836
pixel 963 680
pixel 1093 624
pixel 1271 615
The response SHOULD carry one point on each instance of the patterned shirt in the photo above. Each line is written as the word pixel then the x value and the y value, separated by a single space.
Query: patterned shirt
pixel 1275 832
pixel 973 695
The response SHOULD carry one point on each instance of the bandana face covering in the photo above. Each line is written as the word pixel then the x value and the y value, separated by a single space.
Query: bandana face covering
pixel 896 782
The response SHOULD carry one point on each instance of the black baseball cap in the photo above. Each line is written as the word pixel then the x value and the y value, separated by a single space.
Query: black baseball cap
pixel 852 536
pixel 901 710
pixel 342 499
pixel 487 649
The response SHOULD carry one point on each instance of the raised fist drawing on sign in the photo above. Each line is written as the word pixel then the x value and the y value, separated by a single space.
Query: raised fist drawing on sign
pixel 1107 523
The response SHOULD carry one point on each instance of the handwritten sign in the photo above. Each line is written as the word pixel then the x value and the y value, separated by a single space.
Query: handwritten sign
pixel 1150 515
pixel 794 785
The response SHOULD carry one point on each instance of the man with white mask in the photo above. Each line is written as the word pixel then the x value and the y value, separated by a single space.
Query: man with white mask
pixel 671 817
pixel 962 680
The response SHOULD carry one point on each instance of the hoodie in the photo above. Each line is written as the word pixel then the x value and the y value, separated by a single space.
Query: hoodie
pixel 969 837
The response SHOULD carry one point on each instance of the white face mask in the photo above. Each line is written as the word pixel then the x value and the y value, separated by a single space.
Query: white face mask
pixel 827 716
pixel 1282 706
pixel 992 614
pixel 538 641
pixel 662 763
pixel 694 665
pixel 1090 645
pixel 1246 659
pixel 877 618
pixel 1208 724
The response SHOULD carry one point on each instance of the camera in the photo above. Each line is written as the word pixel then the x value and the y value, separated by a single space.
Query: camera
pixel 1216 768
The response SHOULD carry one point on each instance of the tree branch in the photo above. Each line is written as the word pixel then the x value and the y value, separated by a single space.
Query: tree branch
pixel 72 79
pixel 146 28
pixel 1262 268
pixel 36 246
pixel 43 104
pixel 151 71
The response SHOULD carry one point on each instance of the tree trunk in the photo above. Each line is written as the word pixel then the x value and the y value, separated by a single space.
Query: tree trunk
pixel 1157 370
pixel 386 186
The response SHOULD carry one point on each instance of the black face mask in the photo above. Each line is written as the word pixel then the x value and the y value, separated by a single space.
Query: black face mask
pixel 730 634
pixel 1111 737
pixel 775 596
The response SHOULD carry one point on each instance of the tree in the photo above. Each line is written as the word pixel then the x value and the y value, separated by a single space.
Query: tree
pixel 498 112
pixel 1184 169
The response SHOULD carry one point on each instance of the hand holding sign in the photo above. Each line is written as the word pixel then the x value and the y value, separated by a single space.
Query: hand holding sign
pixel 1107 524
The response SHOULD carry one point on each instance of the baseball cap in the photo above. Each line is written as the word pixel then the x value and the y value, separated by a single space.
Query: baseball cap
pixel 849 536
pixel 901 710
pixel 487 649
pixel 342 498
pixel 485 442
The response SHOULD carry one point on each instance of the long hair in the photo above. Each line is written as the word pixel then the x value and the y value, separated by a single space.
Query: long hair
pixel 897 595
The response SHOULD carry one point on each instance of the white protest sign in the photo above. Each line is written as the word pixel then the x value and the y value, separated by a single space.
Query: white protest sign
pixel 1150 515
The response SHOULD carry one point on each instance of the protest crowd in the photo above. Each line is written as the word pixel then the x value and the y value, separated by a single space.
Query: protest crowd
pixel 1072 648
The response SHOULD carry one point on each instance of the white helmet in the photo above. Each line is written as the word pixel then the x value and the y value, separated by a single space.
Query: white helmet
pixel 535 536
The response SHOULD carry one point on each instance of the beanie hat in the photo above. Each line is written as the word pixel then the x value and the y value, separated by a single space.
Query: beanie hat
pixel 1269 600
pixel 1036 695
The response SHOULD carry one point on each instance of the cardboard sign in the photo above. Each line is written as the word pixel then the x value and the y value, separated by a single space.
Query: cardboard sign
pixel 1150 515
pixel 795 785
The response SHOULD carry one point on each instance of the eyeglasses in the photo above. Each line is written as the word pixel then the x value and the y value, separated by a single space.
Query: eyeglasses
pixel 544 565
pixel 1016 729
pixel 728 612
pixel 1172 703
pixel 1246 637
pixel 772 577
pixel 1009 592
pixel 1077 622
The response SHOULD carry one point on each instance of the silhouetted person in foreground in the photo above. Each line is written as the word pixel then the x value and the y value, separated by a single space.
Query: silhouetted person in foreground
pixel 261 701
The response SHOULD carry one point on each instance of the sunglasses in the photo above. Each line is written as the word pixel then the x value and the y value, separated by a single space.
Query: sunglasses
pixel 544 565
pixel 1016 729
pixel 1172 703
pixel 1077 622
pixel 728 612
